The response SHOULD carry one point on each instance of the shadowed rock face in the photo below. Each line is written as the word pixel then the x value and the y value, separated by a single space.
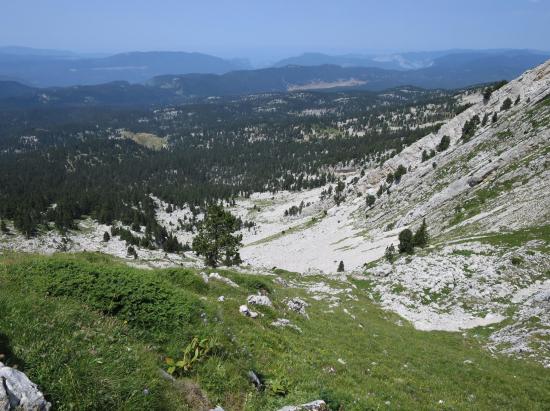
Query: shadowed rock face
pixel 19 393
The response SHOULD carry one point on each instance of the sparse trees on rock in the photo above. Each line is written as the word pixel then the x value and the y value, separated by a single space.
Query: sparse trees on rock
pixel 400 172
pixel 339 196
pixel 408 240
pixel 469 128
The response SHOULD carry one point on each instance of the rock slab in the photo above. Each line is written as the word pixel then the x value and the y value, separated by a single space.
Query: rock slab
pixel 19 393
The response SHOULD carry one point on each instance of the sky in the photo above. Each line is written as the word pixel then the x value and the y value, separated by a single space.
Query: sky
pixel 274 28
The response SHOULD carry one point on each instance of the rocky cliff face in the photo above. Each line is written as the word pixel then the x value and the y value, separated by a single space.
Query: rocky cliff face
pixel 496 179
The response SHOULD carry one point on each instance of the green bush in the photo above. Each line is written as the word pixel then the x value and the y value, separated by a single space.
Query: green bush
pixel 140 298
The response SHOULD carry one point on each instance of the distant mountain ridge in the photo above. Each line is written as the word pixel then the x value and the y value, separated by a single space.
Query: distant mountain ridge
pixel 48 68
pixel 451 71
pixel 400 61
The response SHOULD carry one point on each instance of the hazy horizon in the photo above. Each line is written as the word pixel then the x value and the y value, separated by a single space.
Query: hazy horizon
pixel 273 30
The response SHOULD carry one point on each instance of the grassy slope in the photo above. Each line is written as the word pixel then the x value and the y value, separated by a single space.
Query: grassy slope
pixel 90 352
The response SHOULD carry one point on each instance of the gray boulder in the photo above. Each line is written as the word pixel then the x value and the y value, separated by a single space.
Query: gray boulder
pixel 19 393
pixel 318 405
pixel 259 300
pixel 297 305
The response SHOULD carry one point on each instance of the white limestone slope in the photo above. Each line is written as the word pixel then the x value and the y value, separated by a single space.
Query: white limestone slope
pixel 508 160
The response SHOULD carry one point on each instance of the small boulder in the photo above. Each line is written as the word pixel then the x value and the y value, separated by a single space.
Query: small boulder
pixel 254 379
pixel 259 300
pixel 19 393
pixel 221 298
pixel 318 405
pixel 243 309
pixel 297 305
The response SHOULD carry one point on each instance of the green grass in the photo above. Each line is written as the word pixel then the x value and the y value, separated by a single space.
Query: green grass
pixel 86 355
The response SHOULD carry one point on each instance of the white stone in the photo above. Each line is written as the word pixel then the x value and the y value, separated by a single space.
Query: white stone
pixel 19 393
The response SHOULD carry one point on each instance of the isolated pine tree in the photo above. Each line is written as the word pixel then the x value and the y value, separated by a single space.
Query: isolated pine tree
pixel 421 236
pixel 3 227
pixel 487 94
pixel 215 240
pixel 106 236
pixel 506 104
pixel 444 143
pixel 370 199
pixel 340 267
pixel 390 253
pixel 406 241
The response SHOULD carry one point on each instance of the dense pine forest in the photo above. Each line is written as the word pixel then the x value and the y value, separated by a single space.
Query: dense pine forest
pixel 58 165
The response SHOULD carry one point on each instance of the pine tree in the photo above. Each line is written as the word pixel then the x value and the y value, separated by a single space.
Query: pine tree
pixel 106 237
pixel 444 143
pixel 421 237
pixel 495 117
pixel 406 241
pixel 340 267
pixel 132 252
pixel 390 253
pixel 487 94
pixel 506 104
pixel 370 199
pixel 215 239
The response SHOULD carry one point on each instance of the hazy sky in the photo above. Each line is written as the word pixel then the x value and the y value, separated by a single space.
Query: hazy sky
pixel 241 27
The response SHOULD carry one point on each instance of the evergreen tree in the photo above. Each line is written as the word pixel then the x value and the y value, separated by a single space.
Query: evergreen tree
pixel 340 267
pixel 406 241
pixel 132 252
pixel 215 239
pixel 487 94
pixel 485 119
pixel 106 237
pixel 390 253
pixel 518 99
pixel 400 172
pixel 506 104
pixel 421 237
pixel 444 143
pixel 370 199
pixel 4 227
pixel 495 117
